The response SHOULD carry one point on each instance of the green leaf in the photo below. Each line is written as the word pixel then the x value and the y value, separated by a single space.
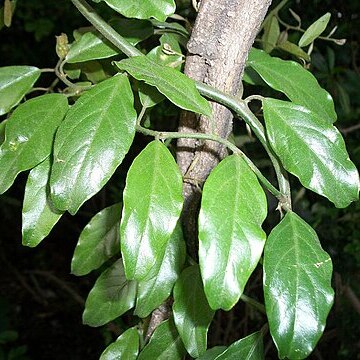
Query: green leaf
pixel 297 287
pixel 248 348
pixel 169 54
pixel 38 214
pixel 314 30
pixel 271 34
pixel 312 150
pixel 158 9
pixel 111 296
pixel 15 82
pixel 29 135
pixel 92 142
pixel 155 288
pixel 176 86
pixel 133 30
pixel 298 84
pixel 126 346
pixel 293 49
pixel 212 354
pixel 233 207
pixel 92 45
pixel 149 95
pixel 152 206
pixel 94 71
pixel 164 344
pixel 98 242
pixel 192 313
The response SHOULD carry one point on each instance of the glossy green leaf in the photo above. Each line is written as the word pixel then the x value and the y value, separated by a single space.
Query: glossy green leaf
pixel 164 344
pixel 271 34
pixel 126 346
pixel 145 9
pixel 233 207
pixel 98 242
pixel 176 86
pixel 92 142
pixel 297 287
pixel 38 214
pixel 213 353
pixel 169 54
pixel 15 82
pixel 312 150
pixel 155 288
pixel 29 135
pixel 192 313
pixel 94 71
pixel 111 296
pixel 293 49
pixel 314 30
pixel 298 84
pixel 149 95
pixel 248 348
pixel 133 30
pixel 92 45
pixel 152 206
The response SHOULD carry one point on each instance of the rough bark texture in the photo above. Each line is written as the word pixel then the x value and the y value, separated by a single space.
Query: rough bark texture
pixel 217 51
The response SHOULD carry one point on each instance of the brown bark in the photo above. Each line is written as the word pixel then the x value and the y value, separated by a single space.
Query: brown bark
pixel 217 51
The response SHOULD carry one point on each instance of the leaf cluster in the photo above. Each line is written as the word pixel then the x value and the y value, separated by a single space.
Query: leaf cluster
pixel 74 139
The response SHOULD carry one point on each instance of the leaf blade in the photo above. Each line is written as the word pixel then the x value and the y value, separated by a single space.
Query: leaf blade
pixel 15 82
pixel 233 238
pixel 299 85
pixel 271 34
pixel 98 242
pixel 111 296
pixel 192 313
pixel 177 87
pixel 314 30
pixel 154 289
pixel 158 9
pixel 297 287
pixel 38 214
pixel 249 348
pixel 92 140
pixel 311 150
pixel 92 46
pixel 146 226
pixel 29 135
pixel 164 344
pixel 125 346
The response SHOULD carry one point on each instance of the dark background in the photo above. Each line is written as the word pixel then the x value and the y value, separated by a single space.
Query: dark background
pixel 42 303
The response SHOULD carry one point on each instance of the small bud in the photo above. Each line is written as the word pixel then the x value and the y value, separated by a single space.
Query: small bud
pixel 62 45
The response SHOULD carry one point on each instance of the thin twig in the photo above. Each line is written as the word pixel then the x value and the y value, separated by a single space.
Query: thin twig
pixel 350 129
